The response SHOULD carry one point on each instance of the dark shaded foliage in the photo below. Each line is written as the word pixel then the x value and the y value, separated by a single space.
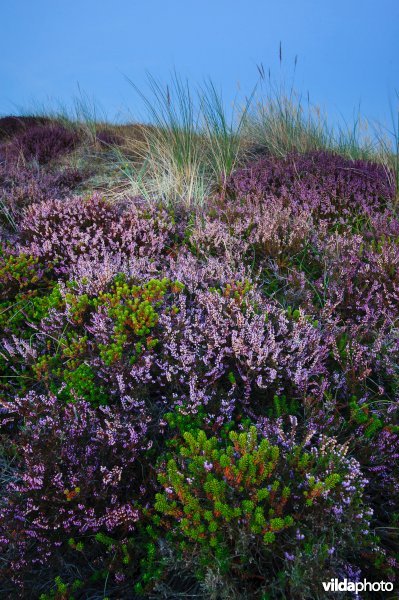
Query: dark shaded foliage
pixel 108 138
pixel 41 143
pixel 10 125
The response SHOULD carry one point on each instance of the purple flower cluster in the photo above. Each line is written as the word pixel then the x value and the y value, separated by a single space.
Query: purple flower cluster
pixel 321 182
pixel 266 353
pixel 381 463
pixel 61 232
pixel 267 229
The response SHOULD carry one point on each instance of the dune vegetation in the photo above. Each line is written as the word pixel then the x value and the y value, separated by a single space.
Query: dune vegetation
pixel 199 348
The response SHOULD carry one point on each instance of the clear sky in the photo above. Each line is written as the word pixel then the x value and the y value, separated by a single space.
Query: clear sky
pixel 348 50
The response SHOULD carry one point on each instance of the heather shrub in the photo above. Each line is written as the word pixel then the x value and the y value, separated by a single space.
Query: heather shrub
pixel 79 492
pixel 58 231
pixel 62 231
pixel 249 509
pixel 321 182
pixel 11 125
pixel 379 453
pixel 230 349
pixel 21 187
pixel 362 279
pixel 252 228
pixel 350 284
pixel 42 143
pixel 197 273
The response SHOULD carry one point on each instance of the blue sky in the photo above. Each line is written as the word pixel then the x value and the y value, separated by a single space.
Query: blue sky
pixel 348 50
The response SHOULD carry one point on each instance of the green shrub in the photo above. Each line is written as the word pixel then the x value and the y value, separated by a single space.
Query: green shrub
pixel 245 508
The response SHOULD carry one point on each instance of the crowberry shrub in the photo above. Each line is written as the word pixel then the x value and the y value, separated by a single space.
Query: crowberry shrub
pixel 85 345
pixel 18 272
pixel 247 508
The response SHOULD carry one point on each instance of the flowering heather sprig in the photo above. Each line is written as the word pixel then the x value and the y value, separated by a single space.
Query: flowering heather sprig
pixel 380 456
pixel 197 273
pixel 363 280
